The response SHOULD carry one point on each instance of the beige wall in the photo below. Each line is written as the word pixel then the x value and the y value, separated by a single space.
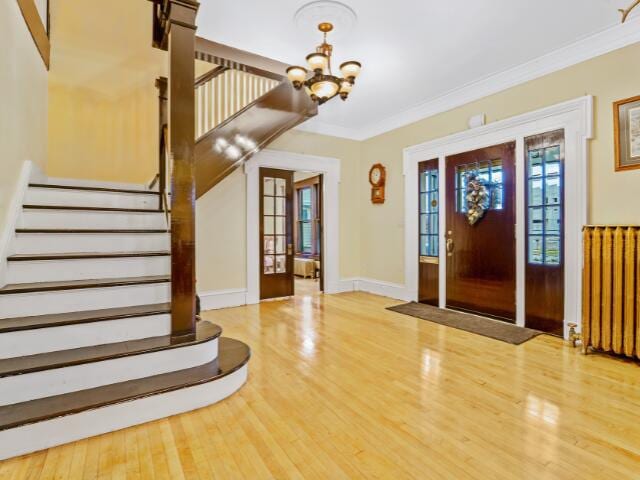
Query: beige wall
pixel 23 110
pixel 221 215
pixel 103 108
pixel 612 195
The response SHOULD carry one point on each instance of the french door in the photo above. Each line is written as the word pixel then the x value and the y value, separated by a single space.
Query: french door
pixel 276 233
pixel 481 257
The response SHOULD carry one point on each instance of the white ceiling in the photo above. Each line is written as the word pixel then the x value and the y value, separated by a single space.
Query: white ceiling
pixel 413 51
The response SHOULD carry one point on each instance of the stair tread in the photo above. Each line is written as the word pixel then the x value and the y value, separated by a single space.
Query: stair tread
pixel 73 318
pixel 91 230
pixel 84 255
pixel 232 356
pixel 79 284
pixel 92 189
pixel 205 331
pixel 92 209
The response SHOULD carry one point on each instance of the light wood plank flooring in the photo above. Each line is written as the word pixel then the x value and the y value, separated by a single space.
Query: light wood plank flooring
pixel 340 388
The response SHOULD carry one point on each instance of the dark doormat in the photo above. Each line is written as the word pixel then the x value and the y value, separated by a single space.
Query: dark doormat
pixel 487 327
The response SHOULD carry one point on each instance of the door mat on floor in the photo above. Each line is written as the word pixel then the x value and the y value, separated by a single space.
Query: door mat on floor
pixel 487 327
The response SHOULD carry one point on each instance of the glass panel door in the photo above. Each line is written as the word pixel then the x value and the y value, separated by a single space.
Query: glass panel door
pixel 276 230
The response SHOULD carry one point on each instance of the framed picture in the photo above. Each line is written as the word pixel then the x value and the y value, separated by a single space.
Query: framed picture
pixel 626 121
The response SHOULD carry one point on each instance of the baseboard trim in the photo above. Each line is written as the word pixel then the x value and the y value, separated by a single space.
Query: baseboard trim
pixel 217 299
pixel 382 288
pixel 8 233
pixel 76 182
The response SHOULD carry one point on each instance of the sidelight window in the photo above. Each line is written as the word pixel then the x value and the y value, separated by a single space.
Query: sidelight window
pixel 544 197
pixel 429 213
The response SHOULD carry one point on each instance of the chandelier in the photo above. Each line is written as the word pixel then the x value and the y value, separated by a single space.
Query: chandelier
pixel 322 85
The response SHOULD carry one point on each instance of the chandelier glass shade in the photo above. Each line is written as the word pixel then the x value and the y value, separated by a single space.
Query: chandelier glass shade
pixel 318 80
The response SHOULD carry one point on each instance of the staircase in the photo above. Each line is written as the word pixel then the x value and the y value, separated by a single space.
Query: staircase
pixel 85 324
pixel 94 334
pixel 242 104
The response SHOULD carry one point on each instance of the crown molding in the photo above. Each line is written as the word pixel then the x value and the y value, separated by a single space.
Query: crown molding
pixel 600 43
pixel 315 125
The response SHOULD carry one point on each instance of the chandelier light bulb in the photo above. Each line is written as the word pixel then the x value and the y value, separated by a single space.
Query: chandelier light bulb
pixel 345 89
pixel 350 70
pixel 318 62
pixel 297 75
pixel 324 89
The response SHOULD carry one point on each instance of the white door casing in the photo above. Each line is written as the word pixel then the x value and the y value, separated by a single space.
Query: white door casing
pixel 576 118
pixel 330 168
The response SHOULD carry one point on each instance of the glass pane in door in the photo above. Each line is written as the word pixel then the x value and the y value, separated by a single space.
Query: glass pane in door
pixel 274 225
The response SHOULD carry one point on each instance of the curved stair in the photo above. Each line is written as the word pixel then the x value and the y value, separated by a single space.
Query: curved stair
pixel 85 323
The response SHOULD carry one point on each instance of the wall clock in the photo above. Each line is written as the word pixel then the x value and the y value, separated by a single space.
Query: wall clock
pixel 377 178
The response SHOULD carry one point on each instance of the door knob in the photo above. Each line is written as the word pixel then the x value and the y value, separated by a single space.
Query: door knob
pixel 449 247
pixel 290 249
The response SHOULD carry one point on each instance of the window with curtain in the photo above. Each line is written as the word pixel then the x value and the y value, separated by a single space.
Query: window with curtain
pixel 305 221
pixel 307 218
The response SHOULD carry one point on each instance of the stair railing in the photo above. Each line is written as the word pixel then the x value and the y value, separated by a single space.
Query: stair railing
pixel 174 30
pixel 242 104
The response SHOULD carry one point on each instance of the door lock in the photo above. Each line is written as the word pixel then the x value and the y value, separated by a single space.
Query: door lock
pixel 290 249
pixel 449 247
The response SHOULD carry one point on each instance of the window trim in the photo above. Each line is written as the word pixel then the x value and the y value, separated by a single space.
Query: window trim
pixel 314 184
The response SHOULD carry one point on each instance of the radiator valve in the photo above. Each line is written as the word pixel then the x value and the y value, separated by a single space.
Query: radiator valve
pixel 574 337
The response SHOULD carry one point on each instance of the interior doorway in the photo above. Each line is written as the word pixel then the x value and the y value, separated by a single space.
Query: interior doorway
pixel 291 232
pixel 308 233
pixel 481 251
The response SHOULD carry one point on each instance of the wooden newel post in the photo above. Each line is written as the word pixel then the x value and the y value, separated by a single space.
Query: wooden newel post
pixel 181 44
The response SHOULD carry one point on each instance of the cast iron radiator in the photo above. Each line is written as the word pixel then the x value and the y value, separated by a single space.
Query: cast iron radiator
pixel 611 284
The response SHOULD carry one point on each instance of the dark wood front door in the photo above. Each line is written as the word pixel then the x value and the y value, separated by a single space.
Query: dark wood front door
pixel 276 233
pixel 481 258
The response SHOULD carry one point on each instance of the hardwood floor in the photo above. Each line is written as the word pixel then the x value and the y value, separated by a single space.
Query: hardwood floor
pixel 340 388
pixel 306 286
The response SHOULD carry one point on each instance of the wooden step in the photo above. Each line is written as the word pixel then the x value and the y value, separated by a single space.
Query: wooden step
pixel 92 209
pixel 97 231
pixel 81 284
pixel 205 332
pixel 92 189
pixel 232 356
pixel 83 256
pixel 77 318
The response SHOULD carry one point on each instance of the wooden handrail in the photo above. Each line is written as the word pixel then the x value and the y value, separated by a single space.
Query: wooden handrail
pixel 235 58
pixel 210 75
pixel 163 150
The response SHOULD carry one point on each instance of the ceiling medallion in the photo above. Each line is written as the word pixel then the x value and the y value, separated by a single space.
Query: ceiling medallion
pixel 322 86
pixel 342 17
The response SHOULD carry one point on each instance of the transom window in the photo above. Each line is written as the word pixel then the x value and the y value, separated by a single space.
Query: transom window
pixel 429 213
pixel 275 217
pixel 490 172
pixel 544 196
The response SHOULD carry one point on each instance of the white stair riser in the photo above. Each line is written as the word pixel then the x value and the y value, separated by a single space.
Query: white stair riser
pixel 86 269
pixel 75 198
pixel 32 243
pixel 30 386
pixel 57 431
pixel 43 340
pixel 63 301
pixel 34 218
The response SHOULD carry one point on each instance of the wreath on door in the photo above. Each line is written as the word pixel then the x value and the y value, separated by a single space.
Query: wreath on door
pixel 477 197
